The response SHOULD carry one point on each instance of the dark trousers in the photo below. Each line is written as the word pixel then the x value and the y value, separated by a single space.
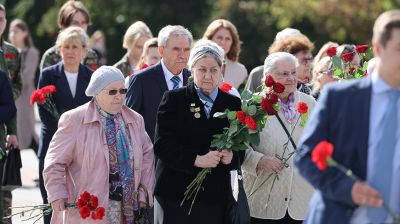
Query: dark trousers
pixel 285 220
pixel 46 218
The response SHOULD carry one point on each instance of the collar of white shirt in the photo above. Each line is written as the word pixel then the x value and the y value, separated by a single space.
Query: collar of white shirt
pixel 168 75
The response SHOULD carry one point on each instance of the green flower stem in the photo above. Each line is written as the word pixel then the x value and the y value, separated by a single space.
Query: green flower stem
pixel 331 162
pixel 269 176
pixel 270 191
pixel 43 210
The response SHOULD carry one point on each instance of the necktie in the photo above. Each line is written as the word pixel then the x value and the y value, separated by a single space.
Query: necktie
pixel 175 80
pixel 383 162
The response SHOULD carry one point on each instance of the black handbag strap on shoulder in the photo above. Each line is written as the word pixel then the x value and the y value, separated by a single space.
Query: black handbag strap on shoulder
pixel 286 131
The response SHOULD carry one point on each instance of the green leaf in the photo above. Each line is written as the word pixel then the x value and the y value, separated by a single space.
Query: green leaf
pixel 239 147
pixel 232 130
pixel 232 115
pixel 257 99
pixel 246 95
pixel 244 108
pixel 337 62
pixel 252 110
pixel 338 73
pixel 255 138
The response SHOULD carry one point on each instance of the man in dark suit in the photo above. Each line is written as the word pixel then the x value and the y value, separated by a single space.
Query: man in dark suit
pixel 147 87
pixel 360 118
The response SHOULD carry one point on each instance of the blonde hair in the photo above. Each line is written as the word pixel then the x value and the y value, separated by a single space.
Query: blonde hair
pixel 324 64
pixel 148 44
pixel 72 33
pixel 134 32
pixel 322 51
pixel 233 53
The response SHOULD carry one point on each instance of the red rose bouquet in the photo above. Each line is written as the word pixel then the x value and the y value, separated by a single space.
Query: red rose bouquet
pixel 322 157
pixel 43 97
pixel 344 69
pixel 244 127
pixel 87 204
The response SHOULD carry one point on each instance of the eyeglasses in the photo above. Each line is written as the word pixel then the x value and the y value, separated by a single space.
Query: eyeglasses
pixel 285 75
pixel 305 61
pixel 113 92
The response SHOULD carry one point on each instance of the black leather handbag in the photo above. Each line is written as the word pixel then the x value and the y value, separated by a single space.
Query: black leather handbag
pixel 142 215
pixel 11 170
pixel 238 211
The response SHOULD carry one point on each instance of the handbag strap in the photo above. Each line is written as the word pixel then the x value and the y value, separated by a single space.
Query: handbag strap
pixel 239 171
pixel 286 131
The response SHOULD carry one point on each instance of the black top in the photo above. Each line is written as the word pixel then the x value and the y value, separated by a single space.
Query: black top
pixel 180 137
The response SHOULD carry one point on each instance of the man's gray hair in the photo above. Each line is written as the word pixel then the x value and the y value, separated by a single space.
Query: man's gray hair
pixel 272 59
pixel 173 30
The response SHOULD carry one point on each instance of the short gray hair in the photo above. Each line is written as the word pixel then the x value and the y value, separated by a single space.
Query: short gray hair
pixel 206 48
pixel 272 59
pixel 173 30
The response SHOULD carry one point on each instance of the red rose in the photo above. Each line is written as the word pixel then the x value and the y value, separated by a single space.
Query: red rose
pixel 279 87
pixel 225 87
pixel 361 48
pixel 272 98
pixel 321 153
pixel 249 120
pixel 94 202
pixel 98 214
pixel 80 203
pixel 351 69
pixel 85 196
pixel 302 108
pixel 268 107
pixel 38 96
pixel 93 67
pixel 331 51
pixel 50 89
pixel 347 57
pixel 9 55
pixel 241 116
pixel 84 212
pixel 269 81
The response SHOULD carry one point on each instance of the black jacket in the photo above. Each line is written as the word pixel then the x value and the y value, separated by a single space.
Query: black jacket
pixel 180 137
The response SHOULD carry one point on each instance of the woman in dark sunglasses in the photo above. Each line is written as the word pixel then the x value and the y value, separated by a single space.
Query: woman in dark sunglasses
pixel 101 147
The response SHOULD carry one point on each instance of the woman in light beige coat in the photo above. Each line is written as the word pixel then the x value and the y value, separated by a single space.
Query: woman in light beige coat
pixel 291 193
pixel 20 37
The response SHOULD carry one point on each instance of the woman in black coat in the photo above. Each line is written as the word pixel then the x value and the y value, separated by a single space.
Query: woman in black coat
pixel 185 126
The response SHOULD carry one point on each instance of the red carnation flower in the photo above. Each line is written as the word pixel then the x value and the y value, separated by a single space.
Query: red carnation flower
pixel 9 55
pixel 321 153
pixel 38 96
pixel 98 214
pixel 84 212
pixel 94 67
pixel 269 81
pixel 361 48
pixel 80 203
pixel 241 116
pixel 302 107
pixel 85 196
pixel 279 87
pixel 94 202
pixel 268 107
pixel 50 89
pixel 347 57
pixel 226 87
pixel 249 120
pixel 331 51
pixel 272 98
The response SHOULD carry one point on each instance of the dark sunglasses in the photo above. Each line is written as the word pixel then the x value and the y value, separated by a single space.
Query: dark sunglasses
pixel 113 92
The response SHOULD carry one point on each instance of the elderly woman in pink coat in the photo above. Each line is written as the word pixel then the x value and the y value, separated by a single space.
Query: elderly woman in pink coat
pixel 100 147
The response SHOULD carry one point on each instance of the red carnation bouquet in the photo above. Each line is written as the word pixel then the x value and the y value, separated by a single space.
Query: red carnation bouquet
pixel 244 128
pixel 43 97
pixel 322 158
pixel 344 69
pixel 87 204
pixel 302 109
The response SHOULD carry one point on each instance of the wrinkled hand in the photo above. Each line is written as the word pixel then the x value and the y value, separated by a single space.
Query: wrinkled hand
pixel 11 142
pixel 226 157
pixel 58 205
pixel 270 163
pixel 209 160
pixel 142 204
pixel 363 194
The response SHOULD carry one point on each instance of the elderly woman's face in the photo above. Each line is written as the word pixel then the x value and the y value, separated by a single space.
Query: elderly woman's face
pixel 285 73
pixel 207 74
pixel 304 70
pixel 224 39
pixel 112 97
pixel 72 52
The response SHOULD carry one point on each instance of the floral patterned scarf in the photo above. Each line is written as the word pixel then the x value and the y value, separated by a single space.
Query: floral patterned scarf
pixel 288 109
pixel 121 167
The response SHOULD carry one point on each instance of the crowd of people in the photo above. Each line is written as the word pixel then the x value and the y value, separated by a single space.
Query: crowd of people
pixel 144 125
